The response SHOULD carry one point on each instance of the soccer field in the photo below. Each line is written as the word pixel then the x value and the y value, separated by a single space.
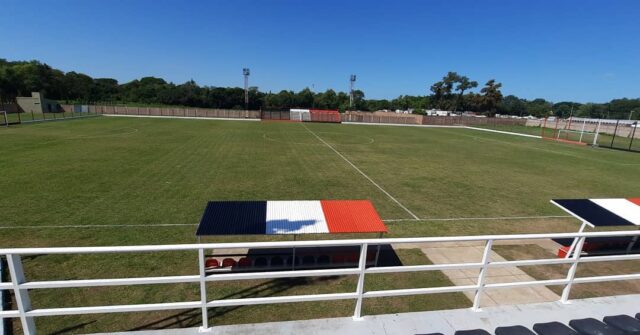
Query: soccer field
pixel 129 174
pixel 123 181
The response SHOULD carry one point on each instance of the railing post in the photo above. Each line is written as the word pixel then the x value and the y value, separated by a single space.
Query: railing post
pixel 486 258
pixel 575 240
pixel 572 270
pixel 21 295
pixel 362 265
pixel 203 293
pixel 3 300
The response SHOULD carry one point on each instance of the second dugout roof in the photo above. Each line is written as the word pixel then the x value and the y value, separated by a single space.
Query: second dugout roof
pixel 289 217
pixel 603 212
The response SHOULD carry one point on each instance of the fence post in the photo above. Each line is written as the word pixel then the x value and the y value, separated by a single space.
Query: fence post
pixel 633 134
pixel 362 265
pixel 486 258
pixel 203 293
pixel 572 270
pixel 21 295
pixel 615 130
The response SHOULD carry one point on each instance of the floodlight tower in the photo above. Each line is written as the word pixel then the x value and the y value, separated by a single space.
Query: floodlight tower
pixel 245 73
pixel 352 81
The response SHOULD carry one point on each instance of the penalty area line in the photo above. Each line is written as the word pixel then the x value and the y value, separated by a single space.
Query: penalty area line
pixel 415 217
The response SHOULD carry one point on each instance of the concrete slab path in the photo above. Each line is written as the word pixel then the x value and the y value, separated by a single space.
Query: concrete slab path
pixel 472 254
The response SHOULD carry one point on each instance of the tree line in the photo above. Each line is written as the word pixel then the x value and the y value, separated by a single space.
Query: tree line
pixel 454 92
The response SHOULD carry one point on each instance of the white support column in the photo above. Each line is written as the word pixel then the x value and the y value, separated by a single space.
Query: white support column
pixel 293 256
pixel 486 258
pixel 572 271
pixel 203 293
pixel 633 242
pixel 362 265
pixel 21 295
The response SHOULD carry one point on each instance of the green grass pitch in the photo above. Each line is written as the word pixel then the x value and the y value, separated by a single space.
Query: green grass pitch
pixel 121 181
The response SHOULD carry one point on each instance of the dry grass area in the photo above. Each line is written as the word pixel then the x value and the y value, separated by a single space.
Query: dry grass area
pixel 580 291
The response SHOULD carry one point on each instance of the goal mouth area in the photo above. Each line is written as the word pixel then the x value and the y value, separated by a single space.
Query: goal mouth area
pixel 565 141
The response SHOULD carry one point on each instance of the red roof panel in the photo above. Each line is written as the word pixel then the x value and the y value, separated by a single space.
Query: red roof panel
pixel 635 201
pixel 352 216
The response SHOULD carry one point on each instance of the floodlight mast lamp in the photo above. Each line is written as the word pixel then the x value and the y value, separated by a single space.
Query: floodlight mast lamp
pixel 245 73
pixel 352 81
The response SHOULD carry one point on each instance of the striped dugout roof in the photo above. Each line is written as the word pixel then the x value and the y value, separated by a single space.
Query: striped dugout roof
pixel 603 212
pixel 289 217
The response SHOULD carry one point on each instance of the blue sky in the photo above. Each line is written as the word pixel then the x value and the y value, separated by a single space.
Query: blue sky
pixel 581 50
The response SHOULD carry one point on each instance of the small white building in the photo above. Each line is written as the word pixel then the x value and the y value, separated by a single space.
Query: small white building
pixel 437 112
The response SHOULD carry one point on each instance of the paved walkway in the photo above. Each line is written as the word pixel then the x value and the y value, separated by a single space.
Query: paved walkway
pixel 473 253
pixel 445 322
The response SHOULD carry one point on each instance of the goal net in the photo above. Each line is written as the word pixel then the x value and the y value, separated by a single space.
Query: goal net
pixel 568 130
pixel 576 136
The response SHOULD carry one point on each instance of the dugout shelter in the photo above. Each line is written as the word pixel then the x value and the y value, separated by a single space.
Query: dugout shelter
pixel 617 212
pixel 292 218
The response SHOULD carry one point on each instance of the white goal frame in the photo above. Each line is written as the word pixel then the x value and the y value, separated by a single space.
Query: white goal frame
pixel 3 116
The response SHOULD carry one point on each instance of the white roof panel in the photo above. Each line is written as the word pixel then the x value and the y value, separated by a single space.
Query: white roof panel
pixel 295 217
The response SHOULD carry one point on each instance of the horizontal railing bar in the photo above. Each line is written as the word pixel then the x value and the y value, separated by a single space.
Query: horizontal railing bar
pixel 527 283
pixel 596 279
pixel 280 300
pixel 10 314
pixel 416 268
pixel 326 243
pixel 282 274
pixel 6 286
pixel 531 262
pixel 109 282
pixel 114 309
pixel 418 291
pixel 609 258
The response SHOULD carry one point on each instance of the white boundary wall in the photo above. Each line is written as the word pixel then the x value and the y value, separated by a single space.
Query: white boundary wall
pixel 21 286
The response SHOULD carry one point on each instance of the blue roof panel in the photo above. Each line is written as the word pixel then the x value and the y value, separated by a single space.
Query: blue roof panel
pixel 233 218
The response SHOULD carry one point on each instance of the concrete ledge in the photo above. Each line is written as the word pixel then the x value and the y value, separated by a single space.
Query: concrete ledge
pixel 446 321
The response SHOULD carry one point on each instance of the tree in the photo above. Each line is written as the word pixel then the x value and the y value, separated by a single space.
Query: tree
pixel 439 92
pixel 443 90
pixel 512 105
pixel 491 96
pixel 463 84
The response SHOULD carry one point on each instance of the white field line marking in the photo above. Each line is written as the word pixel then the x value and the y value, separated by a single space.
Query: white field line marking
pixel 442 126
pixel 195 224
pixel 102 226
pixel 487 218
pixel 403 125
pixel 362 173
pixel 184 117
pixel 503 132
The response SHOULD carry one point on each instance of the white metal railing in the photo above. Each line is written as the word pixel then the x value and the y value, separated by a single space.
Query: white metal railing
pixel 21 286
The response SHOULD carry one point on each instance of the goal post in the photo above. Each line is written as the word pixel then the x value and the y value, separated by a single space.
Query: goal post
pixel 4 121
pixel 570 130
